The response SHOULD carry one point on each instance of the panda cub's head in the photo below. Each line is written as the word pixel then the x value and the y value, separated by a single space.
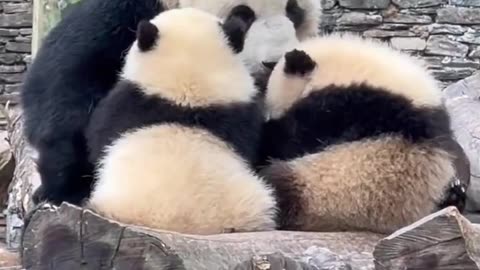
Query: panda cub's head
pixel 190 57
pixel 343 60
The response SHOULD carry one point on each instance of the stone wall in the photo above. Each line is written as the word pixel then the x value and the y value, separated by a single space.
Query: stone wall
pixel 15 40
pixel 444 32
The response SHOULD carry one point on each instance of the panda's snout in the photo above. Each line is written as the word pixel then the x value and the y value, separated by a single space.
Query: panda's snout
pixel 269 65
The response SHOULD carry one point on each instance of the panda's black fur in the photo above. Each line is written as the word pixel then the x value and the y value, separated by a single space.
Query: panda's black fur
pixel 78 63
pixel 357 138
pixel 174 143
pixel 74 68
pixel 138 110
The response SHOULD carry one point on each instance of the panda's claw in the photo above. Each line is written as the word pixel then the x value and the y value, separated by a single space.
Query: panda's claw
pixel 456 195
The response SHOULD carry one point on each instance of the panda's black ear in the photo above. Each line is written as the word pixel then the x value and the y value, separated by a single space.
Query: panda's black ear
pixel 147 35
pixel 298 62
pixel 236 26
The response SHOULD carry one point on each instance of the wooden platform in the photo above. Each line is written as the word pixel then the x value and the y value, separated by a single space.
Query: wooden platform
pixel 72 238
pixel 9 260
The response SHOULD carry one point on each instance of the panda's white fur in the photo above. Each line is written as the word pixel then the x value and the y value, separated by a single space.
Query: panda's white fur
pixel 333 169
pixel 189 66
pixel 172 174
pixel 186 180
pixel 264 9
pixel 345 59
pixel 271 17
pixel 100 33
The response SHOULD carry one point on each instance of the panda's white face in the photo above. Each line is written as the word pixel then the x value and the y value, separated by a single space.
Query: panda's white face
pixel 187 56
pixel 278 26
pixel 303 13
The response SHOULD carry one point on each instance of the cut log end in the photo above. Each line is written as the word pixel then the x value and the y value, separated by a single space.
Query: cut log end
pixel 444 240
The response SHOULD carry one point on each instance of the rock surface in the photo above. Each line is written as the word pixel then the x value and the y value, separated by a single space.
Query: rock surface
pixel 15 45
pixel 463 102
pixel 445 33
pixel 438 29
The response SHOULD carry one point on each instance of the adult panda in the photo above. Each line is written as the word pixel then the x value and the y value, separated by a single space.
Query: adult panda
pixel 79 61
pixel 357 138
pixel 174 137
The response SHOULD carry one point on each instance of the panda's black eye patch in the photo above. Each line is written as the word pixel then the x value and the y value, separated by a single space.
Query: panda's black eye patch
pixel 236 26
pixel 295 13
pixel 244 13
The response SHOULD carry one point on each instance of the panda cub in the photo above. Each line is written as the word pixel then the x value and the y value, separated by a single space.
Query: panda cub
pixel 81 57
pixel 357 137
pixel 175 137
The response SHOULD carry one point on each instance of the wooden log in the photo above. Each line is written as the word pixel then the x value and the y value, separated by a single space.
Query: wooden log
pixel 25 180
pixel 7 167
pixel 442 241
pixel 68 237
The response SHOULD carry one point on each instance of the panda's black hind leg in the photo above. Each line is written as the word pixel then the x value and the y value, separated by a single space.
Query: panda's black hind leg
pixel 456 195
pixel 298 63
pixel 65 173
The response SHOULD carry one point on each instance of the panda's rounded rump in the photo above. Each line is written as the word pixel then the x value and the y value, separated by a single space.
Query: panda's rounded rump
pixel 182 179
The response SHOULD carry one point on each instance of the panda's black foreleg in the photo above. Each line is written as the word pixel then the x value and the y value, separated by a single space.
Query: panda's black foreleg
pixel 65 172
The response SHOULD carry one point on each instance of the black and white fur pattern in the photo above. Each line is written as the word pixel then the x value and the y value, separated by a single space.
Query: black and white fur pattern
pixel 79 62
pixel 175 138
pixel 357 138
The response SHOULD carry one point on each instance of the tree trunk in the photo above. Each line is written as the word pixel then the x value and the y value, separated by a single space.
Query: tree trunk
pixel 46 14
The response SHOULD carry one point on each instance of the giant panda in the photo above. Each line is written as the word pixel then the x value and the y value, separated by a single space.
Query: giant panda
pixel 356 138
pixel 79 61
pixel 174 138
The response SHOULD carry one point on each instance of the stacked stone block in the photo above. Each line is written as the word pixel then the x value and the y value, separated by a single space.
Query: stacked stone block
pixel 446 33
pixel 15 45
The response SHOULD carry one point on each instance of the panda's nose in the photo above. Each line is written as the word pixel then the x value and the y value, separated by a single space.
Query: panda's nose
pixel 269 65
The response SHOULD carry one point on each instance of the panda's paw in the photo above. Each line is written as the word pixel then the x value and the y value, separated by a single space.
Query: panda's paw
pixel 456 195
pixel 38 195
pixel 47 206
pixel 298 63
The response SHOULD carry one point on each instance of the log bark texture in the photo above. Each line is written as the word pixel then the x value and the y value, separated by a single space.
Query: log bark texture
pixel 68 237
pixel 25 180
pixel 442 241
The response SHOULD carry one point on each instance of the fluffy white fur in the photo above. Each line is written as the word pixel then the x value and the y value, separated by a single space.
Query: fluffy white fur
pixel 174 177
pixel 269 35
pixel 378 184
pixel 186 181
pixel 263 9
pixel 190 66
pixel 346 59
pixel 267 40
